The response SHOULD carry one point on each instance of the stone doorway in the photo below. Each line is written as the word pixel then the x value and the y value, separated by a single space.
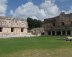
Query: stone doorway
pixel 68 32
pixel 53 32
pixel 58 32
pixel 63 32
pixel 49 33
pixel 12 29
pixel 0 29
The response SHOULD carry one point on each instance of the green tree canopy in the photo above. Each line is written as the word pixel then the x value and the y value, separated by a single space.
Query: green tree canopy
pixel 33 23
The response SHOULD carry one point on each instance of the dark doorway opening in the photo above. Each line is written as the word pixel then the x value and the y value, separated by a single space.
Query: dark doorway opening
pixel 58 33
pixel 68 32
pixel 0 29
pixel 12 29
pixel 63 32
pixel 53 32
pixel 42 33
pixel 62 23
pixel 49 33
pixel 22 29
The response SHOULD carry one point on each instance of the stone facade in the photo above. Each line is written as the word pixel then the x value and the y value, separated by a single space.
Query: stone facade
pixel 59 25
pixel 15 24
pixel 13 27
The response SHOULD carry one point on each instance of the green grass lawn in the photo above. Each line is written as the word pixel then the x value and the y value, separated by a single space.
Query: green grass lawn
pixel 46 46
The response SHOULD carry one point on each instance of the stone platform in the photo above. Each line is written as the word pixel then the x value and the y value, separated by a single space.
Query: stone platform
pixel 7 35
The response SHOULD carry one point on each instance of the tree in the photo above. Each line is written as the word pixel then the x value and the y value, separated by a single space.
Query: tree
pixel 33 23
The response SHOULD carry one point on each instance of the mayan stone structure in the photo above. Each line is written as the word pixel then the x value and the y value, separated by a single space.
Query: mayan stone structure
pixel 59 25
pixel 8 25
pixel 13 27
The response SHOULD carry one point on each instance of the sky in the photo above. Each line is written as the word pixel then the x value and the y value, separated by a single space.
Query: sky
pixel 36 9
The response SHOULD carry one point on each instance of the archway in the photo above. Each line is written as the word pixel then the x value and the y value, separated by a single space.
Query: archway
pixel 68 32
pixel 0 29
pixel 58 33
pixel 49 33
pixel 53 32
pixel 63 32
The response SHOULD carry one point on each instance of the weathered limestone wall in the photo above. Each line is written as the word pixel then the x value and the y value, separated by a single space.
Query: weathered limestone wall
pixel 6 30
pixel 13 27
pixel 7 23
pixel 25 31
pixel 13 23
pixel 16 30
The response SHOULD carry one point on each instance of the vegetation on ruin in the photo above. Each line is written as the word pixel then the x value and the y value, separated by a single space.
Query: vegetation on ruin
pixel 43 46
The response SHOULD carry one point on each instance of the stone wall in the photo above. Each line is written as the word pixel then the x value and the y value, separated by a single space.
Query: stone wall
pixel 58 24
pixel 13 23
pixel 13 26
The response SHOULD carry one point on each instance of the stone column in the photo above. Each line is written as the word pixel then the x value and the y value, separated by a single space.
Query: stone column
pixel 61 33
pixel 51 32
pixel 71 32
pixel 55 33
pixel 65 32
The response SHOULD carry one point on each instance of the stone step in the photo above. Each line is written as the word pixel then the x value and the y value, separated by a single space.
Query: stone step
pixel 7 35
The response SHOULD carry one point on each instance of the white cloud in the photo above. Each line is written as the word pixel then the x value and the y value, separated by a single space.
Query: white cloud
pixel 50 9
pixel 11 12
pixel 3 7
pixel 27 10
pixel 45 10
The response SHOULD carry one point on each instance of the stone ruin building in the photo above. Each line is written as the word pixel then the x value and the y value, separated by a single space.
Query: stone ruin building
pixel 59 25
pixel 37 31
pixel 13 27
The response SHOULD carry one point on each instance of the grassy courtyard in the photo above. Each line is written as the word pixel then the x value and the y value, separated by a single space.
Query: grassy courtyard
pixel 44 46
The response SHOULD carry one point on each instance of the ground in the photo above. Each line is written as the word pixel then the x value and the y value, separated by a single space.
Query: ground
pixel 44 46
